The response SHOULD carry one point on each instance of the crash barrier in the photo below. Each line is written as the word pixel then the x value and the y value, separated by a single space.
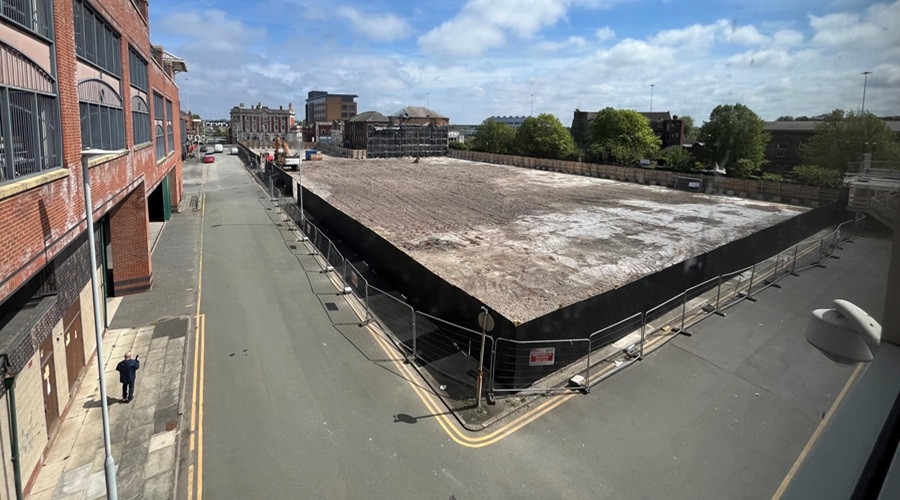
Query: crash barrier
pixel 450 352
pixel 781 192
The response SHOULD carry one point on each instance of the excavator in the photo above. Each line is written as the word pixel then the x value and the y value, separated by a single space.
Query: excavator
pixel 283 156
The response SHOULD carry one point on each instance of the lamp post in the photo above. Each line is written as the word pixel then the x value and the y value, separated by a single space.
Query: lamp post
pixel 109 465
pixel 651 97
pixel 865 75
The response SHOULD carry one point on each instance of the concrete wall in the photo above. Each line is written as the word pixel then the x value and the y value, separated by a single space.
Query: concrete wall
pixel 30 417
pixel 7 478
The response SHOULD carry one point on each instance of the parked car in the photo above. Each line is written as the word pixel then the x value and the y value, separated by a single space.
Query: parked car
pixel 234 151
pixel 218 148
pixel 208 158
pixel 203 149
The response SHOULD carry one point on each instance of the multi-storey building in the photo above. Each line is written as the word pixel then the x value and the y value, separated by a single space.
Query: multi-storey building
pixel 76 75
pixel 322 107
pixel 512 121
pixel 669 128
pixel 258 125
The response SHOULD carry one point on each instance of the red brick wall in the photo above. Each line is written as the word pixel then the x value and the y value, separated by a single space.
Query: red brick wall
pixel 129 232
pixel 36 224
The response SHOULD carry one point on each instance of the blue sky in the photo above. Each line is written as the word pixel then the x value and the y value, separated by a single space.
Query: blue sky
pixel 477 58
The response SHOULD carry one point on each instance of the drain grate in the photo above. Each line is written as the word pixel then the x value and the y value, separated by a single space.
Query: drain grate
pixel 331 306
pixel 292 247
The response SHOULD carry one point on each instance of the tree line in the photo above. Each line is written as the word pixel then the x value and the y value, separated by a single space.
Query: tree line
pixel 733 139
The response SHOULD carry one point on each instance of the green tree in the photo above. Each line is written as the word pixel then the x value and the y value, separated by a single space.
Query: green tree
pixel 734 133
pixel 621 136
pixel 678 158
pixel 813 175
pixel 494 137
pixel 690 130
pixel 843 136
pixel 544 136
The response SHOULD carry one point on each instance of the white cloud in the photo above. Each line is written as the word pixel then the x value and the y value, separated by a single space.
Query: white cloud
pixel 379 27
pixel 485 24
pixel 604 33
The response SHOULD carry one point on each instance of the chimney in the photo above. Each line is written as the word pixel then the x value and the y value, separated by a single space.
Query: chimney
pixel 242 105
pixel 280 108
pixel 145 9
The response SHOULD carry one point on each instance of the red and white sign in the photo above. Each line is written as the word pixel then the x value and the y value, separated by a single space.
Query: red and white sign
pixel 542 356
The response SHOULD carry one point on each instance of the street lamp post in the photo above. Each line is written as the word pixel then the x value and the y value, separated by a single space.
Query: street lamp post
pixel 651 97
pixel 865 75
pixel 109 465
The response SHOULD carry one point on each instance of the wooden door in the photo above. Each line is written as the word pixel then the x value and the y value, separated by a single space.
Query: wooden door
pixel 73 331
pixel 48 385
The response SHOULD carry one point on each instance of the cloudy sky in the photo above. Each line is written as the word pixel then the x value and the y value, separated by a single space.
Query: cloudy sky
pixel 471 59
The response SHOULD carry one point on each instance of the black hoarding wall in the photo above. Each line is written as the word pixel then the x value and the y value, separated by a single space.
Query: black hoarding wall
pixel 431 294
pixel 583 318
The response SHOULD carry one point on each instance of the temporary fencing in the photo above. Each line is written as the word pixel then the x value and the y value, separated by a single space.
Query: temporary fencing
pixel 450 352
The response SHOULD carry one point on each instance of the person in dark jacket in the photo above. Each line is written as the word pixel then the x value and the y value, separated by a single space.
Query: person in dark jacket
pixel 127 368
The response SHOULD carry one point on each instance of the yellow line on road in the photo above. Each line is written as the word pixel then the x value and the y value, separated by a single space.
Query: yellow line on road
pixel 449 425
pixel 815 437
pixel 196 430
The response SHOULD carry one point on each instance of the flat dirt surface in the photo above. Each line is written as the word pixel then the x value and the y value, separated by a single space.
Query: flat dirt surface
pixel 526 242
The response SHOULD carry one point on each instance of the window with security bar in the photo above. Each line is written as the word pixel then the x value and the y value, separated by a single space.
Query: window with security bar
pixel 170 138
pixel 29 117
pixel 33 15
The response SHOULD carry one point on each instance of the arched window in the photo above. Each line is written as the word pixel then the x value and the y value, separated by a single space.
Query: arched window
pixel 102 118
pixel 32 137
pixel 140 119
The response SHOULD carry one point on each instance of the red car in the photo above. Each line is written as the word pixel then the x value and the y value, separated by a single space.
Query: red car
pixel 208 159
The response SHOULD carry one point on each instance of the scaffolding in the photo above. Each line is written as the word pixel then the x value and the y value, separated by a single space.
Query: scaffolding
pixel 414 141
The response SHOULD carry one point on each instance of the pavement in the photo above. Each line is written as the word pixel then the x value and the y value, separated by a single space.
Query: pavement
pixel 145 434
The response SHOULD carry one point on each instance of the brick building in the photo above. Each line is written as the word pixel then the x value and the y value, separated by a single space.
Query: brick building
pixel 258 125
pixel 322 107
pixel 77 74
pixel 669 128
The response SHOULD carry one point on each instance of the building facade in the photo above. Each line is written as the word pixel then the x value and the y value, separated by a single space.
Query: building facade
pixel 322 107
pixel 77 75
pixel 669 128
pixel 512 121
pixel 258 125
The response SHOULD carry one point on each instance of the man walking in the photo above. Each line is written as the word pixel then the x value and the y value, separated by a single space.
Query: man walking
pixel 127 368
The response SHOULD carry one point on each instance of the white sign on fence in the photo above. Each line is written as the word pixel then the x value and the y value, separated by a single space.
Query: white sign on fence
pixel 542 356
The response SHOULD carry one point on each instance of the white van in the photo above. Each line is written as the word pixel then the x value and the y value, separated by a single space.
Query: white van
pixel 218 148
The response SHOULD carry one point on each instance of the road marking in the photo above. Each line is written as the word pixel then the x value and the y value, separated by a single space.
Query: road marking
pixel 449 425
pixel 815 437
pixel 196 430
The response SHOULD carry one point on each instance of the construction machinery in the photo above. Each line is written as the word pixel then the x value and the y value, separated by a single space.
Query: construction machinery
pixel 283 155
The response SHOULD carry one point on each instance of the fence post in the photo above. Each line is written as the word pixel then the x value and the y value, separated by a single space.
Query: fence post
pixel 493 366
pixel 367 302
pixel 794 264
pixel 415 354
pixel 587 377
pixel 718 294
pixel 683 308
pixel 750 286
pixel 819 258
pixel 643 327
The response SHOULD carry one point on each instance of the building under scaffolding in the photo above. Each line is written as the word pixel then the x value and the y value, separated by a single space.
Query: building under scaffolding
pixel 412 131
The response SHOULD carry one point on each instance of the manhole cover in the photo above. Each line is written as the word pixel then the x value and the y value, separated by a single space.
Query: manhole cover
pixel 331 306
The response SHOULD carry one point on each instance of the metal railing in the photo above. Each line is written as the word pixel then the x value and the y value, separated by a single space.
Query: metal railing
pixel 450 352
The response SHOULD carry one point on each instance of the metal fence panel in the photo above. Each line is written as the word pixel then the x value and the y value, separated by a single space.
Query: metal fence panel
pixel 450 349
pixel 614 332
pixel 335 258
pixel 664 317
pixel 700 301
pixel 519 364
pixel 396 317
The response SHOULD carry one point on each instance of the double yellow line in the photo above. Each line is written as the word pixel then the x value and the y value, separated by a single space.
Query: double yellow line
pixel 196 440
pixel 449 424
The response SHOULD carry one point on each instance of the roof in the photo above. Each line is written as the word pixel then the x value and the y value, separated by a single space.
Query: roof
pixel 369 116
pixel 803 126
pixel 655 116
pixel 418 112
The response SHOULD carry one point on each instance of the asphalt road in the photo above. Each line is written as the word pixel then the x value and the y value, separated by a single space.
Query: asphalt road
pixel 296 407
